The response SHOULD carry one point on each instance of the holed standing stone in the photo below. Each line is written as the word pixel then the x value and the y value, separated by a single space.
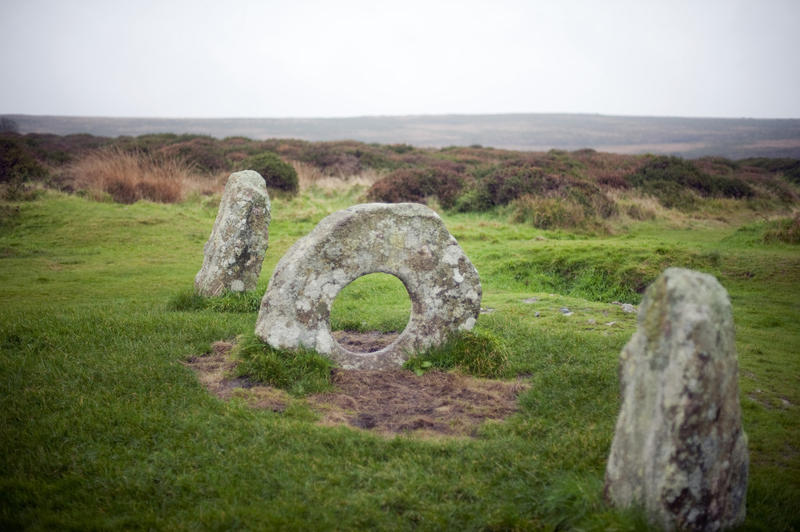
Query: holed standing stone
pixel 407 240
pixel 679 450
pixel 235 250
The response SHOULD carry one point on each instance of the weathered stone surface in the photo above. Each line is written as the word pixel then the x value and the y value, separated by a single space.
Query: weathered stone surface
pixel 406 240
pixel 235 250
pixel 679 449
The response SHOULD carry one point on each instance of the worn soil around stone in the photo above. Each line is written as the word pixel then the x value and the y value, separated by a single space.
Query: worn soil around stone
pixel 387 402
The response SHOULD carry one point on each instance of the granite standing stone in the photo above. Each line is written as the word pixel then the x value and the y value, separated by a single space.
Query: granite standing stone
pixel 679 450
pixel 235 250
pixel 407 240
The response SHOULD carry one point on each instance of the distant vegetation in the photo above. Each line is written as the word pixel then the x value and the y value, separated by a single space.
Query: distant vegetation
pixel 577 190
pixel 734 138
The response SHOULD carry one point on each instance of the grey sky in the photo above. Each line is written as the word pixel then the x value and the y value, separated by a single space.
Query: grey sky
pixel 305 58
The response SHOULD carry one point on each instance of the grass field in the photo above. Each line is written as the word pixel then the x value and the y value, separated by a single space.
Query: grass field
pixel 103 427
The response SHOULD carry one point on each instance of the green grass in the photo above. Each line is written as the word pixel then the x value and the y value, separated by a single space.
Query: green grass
pixel 299 372
pixel 481 354
pixel 103 427
pixel 374 302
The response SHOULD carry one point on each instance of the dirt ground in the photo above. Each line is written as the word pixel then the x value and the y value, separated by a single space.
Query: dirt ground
pixel 386 402
pixel 364 342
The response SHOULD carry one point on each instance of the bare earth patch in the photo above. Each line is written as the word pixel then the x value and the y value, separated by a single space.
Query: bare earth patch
pixel 387 402
pixel 364 342
pixel 213 370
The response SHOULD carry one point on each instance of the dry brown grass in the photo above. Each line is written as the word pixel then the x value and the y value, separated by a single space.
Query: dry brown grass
pixel 309 176
pixel 128 177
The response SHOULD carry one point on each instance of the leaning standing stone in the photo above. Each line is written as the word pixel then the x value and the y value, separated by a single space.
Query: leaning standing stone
pixel 235 250
pixel 679 450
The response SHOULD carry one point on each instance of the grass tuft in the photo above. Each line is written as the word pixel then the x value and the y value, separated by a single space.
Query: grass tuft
pixel 127 177
pixel 477 353
pixel 189 300
pixel 786 230
pixel 299 372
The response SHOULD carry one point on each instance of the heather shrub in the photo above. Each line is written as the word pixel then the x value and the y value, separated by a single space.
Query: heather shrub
pixel 401 148
pixel 277 173
pixel 506 182
pixel 17 163
pixel 674 180
pixel 417 184
pixel 716 165
pixel 237 149
pixel 55 150
pixel 789 168
pixel 332 160
pixel 502 184
pixel 205 153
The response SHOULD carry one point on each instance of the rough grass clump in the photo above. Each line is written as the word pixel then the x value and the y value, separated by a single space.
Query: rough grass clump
pixel 189 300
pixel 299 372
pixel 786 231
pixel 480 354
pixel 277 173
pixel 548 213
pixel 203 153
pixel 128 177
pixel 417 184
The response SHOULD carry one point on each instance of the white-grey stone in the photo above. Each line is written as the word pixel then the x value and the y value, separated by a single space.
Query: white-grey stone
pixel 627 308
pixel 407 240
pixel 679 449
pixel 235 250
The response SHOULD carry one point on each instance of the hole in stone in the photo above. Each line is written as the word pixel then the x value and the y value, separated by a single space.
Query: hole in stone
pixel 370 313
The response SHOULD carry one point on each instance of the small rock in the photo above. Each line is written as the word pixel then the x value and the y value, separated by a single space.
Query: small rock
pixel 487 310
pixel 565 311
pixel 611 323
pixel 537 314
pixel 530 300
pixel 627 308
pixel 591 321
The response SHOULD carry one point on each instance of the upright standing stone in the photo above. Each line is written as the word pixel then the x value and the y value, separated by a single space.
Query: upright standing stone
pixel 679 449
pixel 235 250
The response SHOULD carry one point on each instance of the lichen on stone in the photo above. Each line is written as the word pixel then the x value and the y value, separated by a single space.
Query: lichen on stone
pixel 679 449
pixel 234 253
pixel 407 240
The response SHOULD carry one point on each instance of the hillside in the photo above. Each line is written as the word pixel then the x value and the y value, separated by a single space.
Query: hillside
pixel 685 137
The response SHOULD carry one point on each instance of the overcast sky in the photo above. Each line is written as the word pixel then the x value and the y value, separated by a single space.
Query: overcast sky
pixel 306 58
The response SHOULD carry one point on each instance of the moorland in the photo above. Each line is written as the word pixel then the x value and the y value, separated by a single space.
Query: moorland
pixel 106 425
pixel 736 138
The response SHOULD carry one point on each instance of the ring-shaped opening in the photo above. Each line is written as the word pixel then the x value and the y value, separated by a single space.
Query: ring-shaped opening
pixel 370 313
